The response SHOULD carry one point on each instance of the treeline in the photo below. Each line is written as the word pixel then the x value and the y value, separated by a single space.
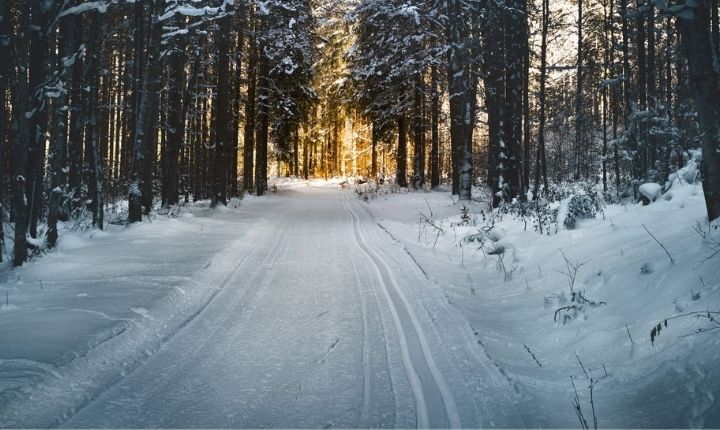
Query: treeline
pixel 144 100
pixel 541 92
pixel 155 102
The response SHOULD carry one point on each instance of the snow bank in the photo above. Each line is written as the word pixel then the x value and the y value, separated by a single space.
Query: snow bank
pixel 651 191
pixel 589 295
pixel 88 312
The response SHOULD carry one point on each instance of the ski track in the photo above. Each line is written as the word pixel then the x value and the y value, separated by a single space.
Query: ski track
pixel 310 328
pixel 421 391
pixel 365 352
pixel 168 337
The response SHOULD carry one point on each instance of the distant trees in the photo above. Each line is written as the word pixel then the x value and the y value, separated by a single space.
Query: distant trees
pixel 286 72
pixel 397 44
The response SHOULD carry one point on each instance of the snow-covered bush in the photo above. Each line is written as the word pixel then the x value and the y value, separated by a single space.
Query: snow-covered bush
pixel 560 205
pixel 369 189
pixel 585 205
pixel 649 192
pixel 541 214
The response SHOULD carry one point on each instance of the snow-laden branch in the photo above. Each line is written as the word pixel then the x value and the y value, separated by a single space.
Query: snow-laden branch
pixel 97 6
pixel 195 11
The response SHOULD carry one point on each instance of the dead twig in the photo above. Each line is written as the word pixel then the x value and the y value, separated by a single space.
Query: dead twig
pixel 628 332
pixel 672 261
pixel 532 355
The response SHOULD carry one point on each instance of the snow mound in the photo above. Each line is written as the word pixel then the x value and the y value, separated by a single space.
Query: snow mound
pixel 651 191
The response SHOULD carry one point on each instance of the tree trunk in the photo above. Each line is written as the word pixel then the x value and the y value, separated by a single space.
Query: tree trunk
pixel 715 25
pixel 39 49
pixel 435 130
pixel 77 122
pixel 152 76
pixel 5 73
pixel 515 42
pixel 261 139
pixel 145 124
pixel 175 125
pixel 457 78
pixel 296 149
pixel 523 41
pixel 250 103
pixel 401 172
pixel 58 158
pixel 373 157
pixel 703 81
pixel 494 83
pixel 540 161
pixel 220 115
pixel 652 92
pixel 91 84
pixel 418 158
pixel 642 155
pixel 579 115
pixel 20 131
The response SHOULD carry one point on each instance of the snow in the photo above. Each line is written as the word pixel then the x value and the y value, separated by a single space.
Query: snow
pixel 189 11
pixel 98 6
pixel 651 191
pixel 672 382
pixel 313 307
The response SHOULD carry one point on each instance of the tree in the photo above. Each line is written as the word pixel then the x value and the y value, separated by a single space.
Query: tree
pixel 694 27
pixel 145 122
pixel 20 133
pixel 5 73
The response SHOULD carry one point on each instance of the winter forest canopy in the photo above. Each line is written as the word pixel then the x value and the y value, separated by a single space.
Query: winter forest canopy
pixel 155 102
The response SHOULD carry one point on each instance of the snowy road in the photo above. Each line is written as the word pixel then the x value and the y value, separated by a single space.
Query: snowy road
pixel 325 322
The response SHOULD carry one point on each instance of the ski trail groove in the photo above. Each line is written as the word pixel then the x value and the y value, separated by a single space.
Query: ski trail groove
pixel 365 353
pixel 384 273
pixel 92 397
pixel 470 344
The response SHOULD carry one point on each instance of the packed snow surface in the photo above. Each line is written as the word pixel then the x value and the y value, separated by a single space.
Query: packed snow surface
pixel 311 307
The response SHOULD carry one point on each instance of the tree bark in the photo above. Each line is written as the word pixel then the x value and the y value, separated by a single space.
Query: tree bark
pixel 401 158
pixel 703 82
pixel 58 154
pixel 373 156
pixel 579 115
pixel 175 125
pixel 261 137
pixel 5 72
pixel 37 114
pixel 418 158
pixel 145 124
pixel 435 130
pixel 220 116
pixel 250 104
pixel 20 131
pixel 540 160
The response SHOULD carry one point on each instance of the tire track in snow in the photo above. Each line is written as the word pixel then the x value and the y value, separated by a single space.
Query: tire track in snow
pixel 438 387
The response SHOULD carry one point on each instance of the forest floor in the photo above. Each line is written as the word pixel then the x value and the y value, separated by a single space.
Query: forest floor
pixel 313 308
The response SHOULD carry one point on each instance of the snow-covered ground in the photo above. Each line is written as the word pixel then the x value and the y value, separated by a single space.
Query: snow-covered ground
pixel 671 382
pixel 311 307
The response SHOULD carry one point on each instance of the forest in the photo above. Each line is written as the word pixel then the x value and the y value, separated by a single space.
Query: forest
pixel 359 214
pixel 157 103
